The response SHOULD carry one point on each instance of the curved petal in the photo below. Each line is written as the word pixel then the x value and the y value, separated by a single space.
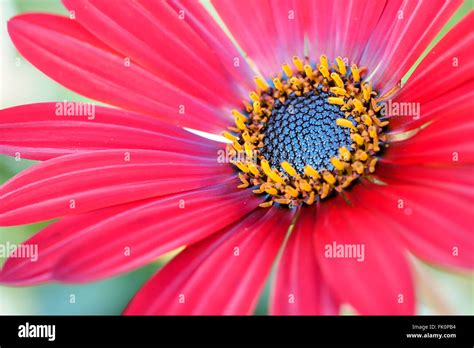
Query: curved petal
pixel 447 142
pixel 339 27
pixel 46 130
pixel 73 184
pixel 160 27
pixel 404 31
pixel 203 23
pixel 362 260
pixel 117 239
pixel 444 80
pixel 223 274
pixel 455 102
pixel 299 287
pixel 435 224
pixel 67 53
pixel 458 179
pixel 266 30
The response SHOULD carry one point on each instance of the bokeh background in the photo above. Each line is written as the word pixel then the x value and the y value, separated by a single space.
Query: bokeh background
pixel 439 291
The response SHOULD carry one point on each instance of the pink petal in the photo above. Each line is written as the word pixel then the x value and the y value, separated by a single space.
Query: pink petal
pixel 100 179
pixel 67 53
pixel 444 79
pixel 35 131
pixel 404 31
pixel 376 281
pixel 446 141
pixel 162 43
pixel 198 18
pixel 438 73
pixel 435 224
pixel 264 30
pixel 299 287
pixel 94 245
pixel 457 101
pixel 339 27
pixel 223 274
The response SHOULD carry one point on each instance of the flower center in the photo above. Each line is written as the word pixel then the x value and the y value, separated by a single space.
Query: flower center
pixel 309 135
pixel 303 131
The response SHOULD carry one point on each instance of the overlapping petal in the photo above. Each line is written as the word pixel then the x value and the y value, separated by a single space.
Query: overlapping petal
pixel 371 273
pixel 299 287
pixel 432 223
pixel 117 239
pixel 47 130
pixel 67 53
pixel 74 184
pixel 223 274
pixel 403 32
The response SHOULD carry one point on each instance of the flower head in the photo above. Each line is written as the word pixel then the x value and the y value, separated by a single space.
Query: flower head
pixel 332 170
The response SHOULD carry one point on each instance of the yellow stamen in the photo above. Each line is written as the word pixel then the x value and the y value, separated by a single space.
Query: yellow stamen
pixel 277 83
pixel 254 96
pixel 329 178
pixel 337 80
pixel 245 182
pixel 372 165
pixel 355 73
pixel 253 169
pixel 282 201
pixel 240 124
pixel 338 164
pixel 338 91
pixel 361 155
pixel 341 66
pixel 310 171
pixel 323 60
pixel 357 138
pixel 298 63
pixel 345 153
pixel 288 168
pixel 287 70
pixel 358 167
pixel 372 131
pixel 240 116
pixel 261 83
pixel 358 105
pixel 295 81
pixel 308 71
pixel 266 204
pixel 229 136
pixel 256 107
pixel 367 120
pixel 237 146
pixel 323 70
pixel 366 90
pixel 248 149
pixel 271 190
pixel 335 100
pixel 305 186
pixel 291 191
pixel 345 123
pixel 325 190
pixel 311 198
pixel 242 167
pixel 270 173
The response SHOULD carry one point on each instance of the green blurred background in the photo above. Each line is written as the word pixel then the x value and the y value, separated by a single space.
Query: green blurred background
pixel 438 291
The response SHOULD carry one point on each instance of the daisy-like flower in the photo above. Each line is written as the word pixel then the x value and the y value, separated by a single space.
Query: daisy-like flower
pixel 332 172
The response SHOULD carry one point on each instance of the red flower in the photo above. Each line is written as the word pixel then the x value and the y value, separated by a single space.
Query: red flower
pixel 129 184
